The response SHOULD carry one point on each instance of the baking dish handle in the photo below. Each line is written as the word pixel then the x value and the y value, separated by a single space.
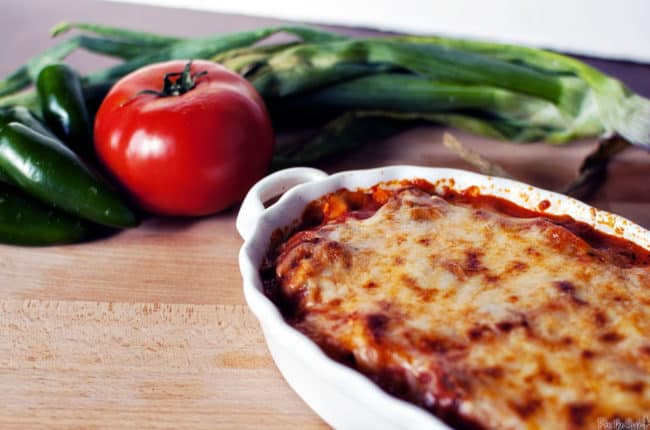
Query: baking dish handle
pixel 271 186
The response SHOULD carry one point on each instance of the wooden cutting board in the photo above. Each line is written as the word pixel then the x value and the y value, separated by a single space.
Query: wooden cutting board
pixel 149 329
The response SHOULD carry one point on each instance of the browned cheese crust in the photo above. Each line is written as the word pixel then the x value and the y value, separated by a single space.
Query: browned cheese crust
pixel 487 320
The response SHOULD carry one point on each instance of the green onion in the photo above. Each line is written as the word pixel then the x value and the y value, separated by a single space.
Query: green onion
pixel 370 88
pixel 139 49
pixel 16 81
pixel 619 109
pixel 25 75
pixel 308 66
pixel 140 37
pixel 407 93
pixel 204 47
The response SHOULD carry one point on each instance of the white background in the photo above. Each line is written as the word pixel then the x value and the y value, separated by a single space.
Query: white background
pixel 618 29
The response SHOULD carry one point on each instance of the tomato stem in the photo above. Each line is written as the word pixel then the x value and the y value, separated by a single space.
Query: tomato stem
pixel 177 83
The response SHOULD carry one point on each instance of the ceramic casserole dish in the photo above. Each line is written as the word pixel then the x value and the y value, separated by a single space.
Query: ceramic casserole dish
pixel 343 397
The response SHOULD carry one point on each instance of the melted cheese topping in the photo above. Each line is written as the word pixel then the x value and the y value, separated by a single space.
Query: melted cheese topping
pixel 487 320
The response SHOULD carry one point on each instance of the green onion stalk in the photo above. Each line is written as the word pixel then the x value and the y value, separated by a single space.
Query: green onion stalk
pixel 361 90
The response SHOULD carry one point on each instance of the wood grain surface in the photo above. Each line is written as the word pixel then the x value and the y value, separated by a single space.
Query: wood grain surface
pixel 78 364
pixel 148 328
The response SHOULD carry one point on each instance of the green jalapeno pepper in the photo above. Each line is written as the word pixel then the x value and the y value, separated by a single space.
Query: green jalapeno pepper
pixel 24 116
pixel 49 171
pixel 26 221
pixel 64 107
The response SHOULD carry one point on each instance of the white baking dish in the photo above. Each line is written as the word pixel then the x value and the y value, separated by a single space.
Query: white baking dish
pixel 341 396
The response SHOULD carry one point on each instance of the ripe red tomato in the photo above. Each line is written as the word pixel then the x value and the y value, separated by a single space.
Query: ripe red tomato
pixel 192 147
